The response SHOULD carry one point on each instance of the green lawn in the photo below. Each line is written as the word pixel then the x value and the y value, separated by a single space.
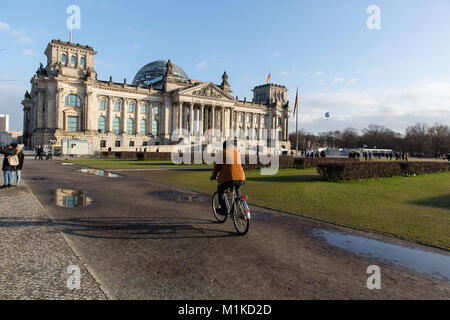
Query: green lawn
pixel 413 208
pixel 132 164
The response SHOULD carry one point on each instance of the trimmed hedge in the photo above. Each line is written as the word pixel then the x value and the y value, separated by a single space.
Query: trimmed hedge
pixel 285 162
pixel 367 170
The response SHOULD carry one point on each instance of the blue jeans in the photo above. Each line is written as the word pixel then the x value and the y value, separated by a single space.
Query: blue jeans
pixel 8 178
pixel 18 176
pixel 223 187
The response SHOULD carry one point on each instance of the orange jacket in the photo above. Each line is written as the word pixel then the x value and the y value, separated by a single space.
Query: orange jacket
pixel 231 169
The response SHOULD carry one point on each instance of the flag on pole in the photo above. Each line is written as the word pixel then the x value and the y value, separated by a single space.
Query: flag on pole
pixel 296 103
pixel 268 78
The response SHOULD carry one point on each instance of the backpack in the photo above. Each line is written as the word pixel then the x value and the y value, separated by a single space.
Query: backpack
pixel 13 160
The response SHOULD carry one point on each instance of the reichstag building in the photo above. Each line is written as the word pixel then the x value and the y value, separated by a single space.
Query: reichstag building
pixel 67 101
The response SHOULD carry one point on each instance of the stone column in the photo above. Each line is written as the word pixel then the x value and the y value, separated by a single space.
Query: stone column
pixel 123 113
pixel 149 118
pixel 223 122
pixel 109 115
pixel 252 127
pixel 180 116
pixel 202 119
pixel 213 119
pixel 137 105
pixel 191 118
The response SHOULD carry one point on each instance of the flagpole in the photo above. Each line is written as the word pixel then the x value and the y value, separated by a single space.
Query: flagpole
pixel 296 126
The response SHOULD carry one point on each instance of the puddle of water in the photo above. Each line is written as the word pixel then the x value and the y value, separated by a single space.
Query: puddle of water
pixel 179 196
pixel 100 173
pixel 71 198
pixel 434 264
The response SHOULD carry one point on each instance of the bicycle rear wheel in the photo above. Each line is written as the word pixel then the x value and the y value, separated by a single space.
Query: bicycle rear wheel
pixel 216 209
pixel 240 218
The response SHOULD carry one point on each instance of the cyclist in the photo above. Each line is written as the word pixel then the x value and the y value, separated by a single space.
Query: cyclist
pixel 231 174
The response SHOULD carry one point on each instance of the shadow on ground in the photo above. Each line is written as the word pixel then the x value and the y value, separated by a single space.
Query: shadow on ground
pixel 442 202
pixel 127 228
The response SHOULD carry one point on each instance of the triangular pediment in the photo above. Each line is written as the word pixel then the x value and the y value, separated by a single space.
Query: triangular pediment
pixel 206 90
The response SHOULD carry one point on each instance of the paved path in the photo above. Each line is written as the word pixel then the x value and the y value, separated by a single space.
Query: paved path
pixel 34 256
pixel 141 242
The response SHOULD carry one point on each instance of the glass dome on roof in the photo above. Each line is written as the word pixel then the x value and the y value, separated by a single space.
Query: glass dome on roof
pixel 154 71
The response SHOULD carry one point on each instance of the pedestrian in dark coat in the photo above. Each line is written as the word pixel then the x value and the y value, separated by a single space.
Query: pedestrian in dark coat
pixel 6 167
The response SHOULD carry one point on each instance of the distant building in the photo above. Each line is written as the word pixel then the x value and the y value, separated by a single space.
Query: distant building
pixel 67 101
pixel 7 137
pixel 4 122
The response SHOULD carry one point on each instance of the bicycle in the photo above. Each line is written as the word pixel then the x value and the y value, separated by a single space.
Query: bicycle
pixel 238 210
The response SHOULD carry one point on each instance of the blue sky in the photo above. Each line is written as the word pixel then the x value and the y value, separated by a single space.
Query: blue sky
pixel 395 76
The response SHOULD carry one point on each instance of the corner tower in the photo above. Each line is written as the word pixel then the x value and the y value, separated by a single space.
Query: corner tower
pixel 270 94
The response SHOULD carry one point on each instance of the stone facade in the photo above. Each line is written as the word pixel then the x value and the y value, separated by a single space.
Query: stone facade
pixel 67 101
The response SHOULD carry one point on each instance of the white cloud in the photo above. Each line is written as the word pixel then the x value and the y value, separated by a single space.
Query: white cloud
pixel 201 65
pixel 275 54
pixel 338 80
pixel 4 27
pixel 320 73
pixel 395 109
pixel 353 80
pixel 25 40
pixel 135 46
pixel 28 53
pixel 17 33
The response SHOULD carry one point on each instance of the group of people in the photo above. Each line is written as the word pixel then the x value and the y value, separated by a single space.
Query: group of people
pixel 12 165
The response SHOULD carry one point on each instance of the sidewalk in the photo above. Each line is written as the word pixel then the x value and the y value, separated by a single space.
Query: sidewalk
pixel 34 255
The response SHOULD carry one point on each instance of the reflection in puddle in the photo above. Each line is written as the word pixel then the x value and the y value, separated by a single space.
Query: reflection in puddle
pixel 101 173
pixel 71 198
pixel 434 264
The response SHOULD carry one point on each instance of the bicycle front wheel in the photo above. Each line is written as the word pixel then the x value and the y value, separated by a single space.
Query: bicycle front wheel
pixel 240 218
pixel 216 209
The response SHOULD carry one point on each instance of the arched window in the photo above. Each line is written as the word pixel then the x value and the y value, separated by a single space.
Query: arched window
pixel 155 127
pixel 143 127
pixel 83 62
pixel 101 124
pixel 130 126
pixel 73 60
pixel 73 101
pixel 64 58
pixel 116 125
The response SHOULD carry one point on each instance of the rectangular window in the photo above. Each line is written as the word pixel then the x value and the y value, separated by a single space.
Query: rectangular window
pixel 102 105
pixel 72 124
pixel 144 108
pixel 131 107
pixel 117 144
pixel 131 143
pixel 103 144
pixel 156 110
pixel 116 106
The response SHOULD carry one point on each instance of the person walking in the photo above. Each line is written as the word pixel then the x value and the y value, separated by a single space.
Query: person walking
pixel 9 162
pixel 18 168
